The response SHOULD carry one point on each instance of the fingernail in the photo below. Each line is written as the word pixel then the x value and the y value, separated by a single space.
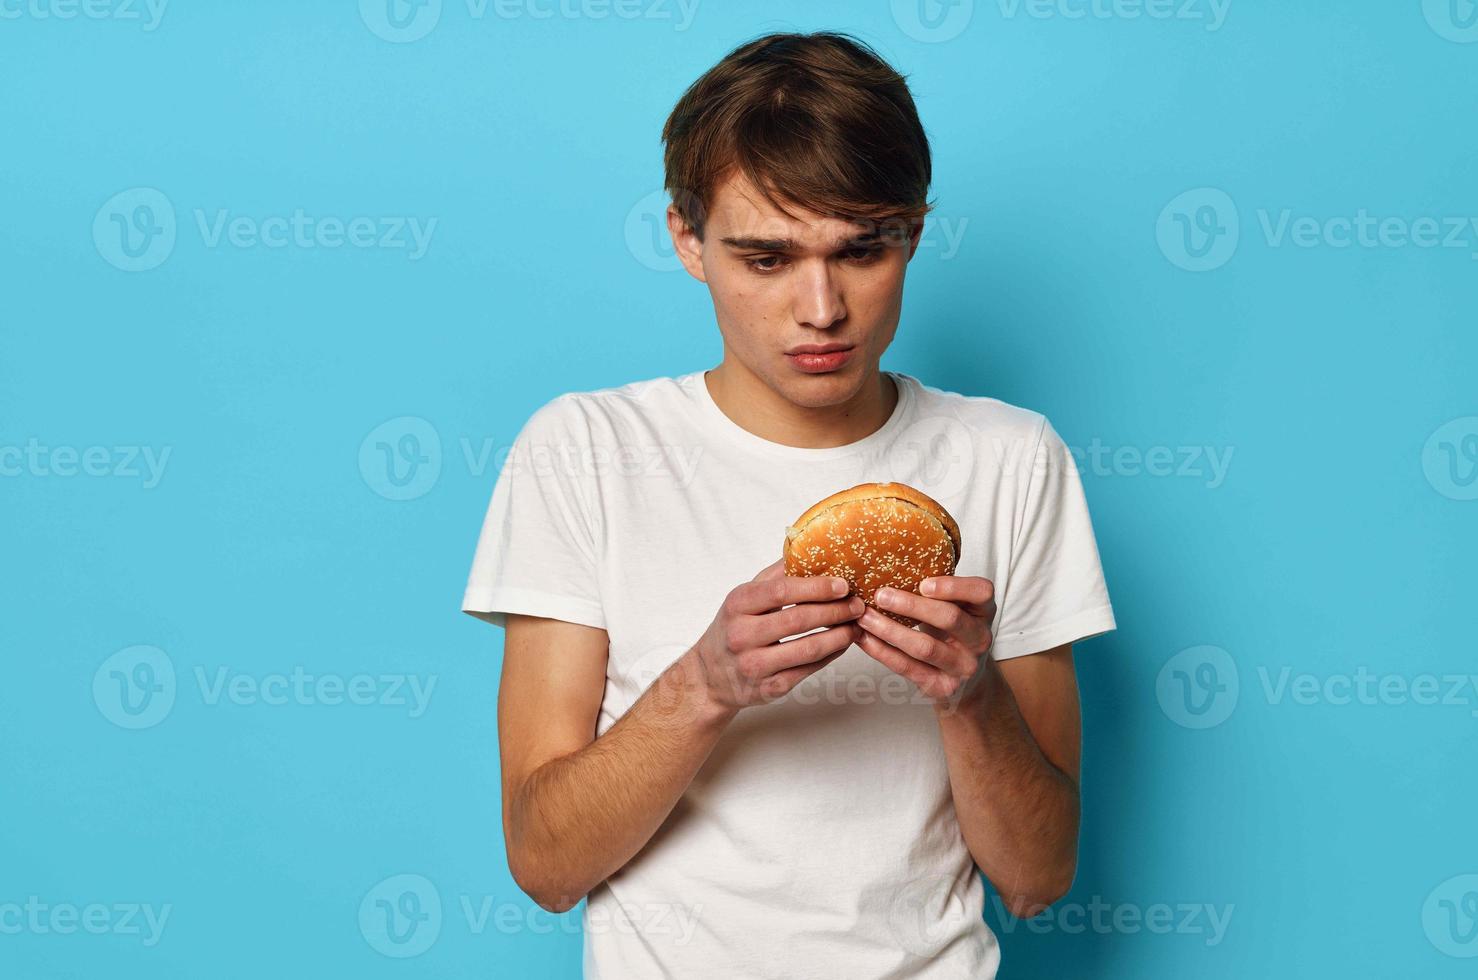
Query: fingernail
pixel 838 586
pixel 884 597
pixel 856 606
pixel 926 587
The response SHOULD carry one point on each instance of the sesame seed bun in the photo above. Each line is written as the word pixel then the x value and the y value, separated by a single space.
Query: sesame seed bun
pixel 875 535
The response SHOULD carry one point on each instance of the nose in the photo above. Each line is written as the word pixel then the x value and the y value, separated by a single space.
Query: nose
pixel 818 298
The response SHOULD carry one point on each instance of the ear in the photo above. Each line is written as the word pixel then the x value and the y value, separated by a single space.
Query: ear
pixel 918 233
pixel 687 243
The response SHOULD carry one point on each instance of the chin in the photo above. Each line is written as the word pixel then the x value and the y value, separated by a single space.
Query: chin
pixel 821 390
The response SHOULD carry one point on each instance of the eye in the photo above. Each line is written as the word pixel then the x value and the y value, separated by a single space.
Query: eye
pixel 864 253
pixel 757 266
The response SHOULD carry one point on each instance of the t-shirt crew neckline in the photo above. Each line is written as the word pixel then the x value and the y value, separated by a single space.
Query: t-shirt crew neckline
pixel 717 421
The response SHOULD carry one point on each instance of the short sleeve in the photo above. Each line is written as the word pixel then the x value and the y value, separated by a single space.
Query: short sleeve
pixel 1054 591
pixel 538 551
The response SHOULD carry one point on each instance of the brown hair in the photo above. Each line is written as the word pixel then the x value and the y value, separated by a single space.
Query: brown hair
pixel 816 119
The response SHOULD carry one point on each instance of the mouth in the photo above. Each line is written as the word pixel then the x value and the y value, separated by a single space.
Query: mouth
pixel 819 358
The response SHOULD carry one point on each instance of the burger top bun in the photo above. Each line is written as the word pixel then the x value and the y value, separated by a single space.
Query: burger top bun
pixel 875 535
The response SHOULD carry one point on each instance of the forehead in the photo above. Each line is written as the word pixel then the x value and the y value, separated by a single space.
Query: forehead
pixel 740 210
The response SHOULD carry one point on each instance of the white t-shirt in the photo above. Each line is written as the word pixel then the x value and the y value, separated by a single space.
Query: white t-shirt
pixel 819 839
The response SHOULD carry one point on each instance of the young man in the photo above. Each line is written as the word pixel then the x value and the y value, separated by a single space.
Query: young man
pixel 734 803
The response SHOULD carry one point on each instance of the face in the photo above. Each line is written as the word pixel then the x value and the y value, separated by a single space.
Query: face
pixel 784 285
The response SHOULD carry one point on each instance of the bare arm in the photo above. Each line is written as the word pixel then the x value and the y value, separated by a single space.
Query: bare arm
pixel 576 807
pixel 1013 748
pixel 1011 733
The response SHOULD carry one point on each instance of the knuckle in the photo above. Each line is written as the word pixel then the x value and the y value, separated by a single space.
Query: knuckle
pixel 736 635
pixel 730 605
pixel 828 641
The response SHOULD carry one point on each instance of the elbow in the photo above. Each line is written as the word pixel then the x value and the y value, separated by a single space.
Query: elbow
pixel 549 894
pixel 1031 901
pixel 553 902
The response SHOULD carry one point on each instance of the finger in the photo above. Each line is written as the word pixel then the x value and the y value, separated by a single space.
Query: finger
pixel 762 596
pixel 918 645
pixel 767 661
pixel 929 680
pixel 948 616
pixel 975 593
pixel 779 684
pixel 803 617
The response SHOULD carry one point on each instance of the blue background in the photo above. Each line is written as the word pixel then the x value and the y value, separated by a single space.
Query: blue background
pixel 1334 832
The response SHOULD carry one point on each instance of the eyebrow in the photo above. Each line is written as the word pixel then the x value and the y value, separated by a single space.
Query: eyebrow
pixel 791 245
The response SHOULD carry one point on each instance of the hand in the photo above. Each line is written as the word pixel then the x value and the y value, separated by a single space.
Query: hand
pixel 740 657
pixel 943 655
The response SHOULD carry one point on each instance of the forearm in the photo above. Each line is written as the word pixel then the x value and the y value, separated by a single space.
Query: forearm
pixel 579 818
pixel 1018 813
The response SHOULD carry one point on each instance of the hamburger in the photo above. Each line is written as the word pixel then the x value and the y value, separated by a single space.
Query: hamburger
pixel 875 535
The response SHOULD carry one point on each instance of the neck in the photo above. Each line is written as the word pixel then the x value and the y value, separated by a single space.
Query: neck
pixel 755 406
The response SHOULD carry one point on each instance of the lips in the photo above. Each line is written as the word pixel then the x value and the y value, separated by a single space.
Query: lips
pixel 818 348
pixel 819 358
